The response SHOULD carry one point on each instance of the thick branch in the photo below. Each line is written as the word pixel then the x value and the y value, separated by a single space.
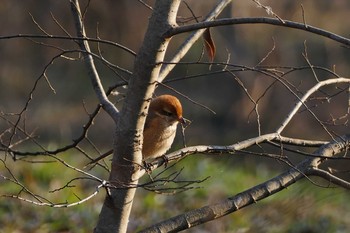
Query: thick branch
pixel 114 216
pixel 183 49
pixel 261 20
pixel 251 196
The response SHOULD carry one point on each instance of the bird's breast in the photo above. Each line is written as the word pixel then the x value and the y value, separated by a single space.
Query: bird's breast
pixel 158 141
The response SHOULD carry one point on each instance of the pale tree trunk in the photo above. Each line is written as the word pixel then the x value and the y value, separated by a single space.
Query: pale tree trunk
pixel 124 175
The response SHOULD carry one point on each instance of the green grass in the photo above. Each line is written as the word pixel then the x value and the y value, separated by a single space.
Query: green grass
pixel 303 207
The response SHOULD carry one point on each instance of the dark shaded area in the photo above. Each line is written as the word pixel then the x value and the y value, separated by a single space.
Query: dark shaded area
pixel 23 60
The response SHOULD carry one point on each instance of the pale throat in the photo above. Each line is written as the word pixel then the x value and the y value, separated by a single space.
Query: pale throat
pixel 169 131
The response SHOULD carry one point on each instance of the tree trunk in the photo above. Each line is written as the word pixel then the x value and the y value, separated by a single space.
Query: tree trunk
pixel 124 175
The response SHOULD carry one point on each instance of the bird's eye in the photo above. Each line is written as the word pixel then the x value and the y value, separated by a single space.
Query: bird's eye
pixel 166 113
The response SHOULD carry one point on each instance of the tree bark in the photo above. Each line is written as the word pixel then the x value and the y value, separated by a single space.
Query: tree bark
pixel 124 174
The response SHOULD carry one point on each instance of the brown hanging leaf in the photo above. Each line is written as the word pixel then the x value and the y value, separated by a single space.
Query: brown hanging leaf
pixel 209 44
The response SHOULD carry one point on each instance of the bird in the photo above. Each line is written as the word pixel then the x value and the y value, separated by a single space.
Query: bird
pixel 164 114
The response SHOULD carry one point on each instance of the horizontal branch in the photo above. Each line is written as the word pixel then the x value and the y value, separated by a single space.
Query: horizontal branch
pixel 260 20
pixel 230 149
pixel 300 142
pixel 216 149
pixel 35 36
pixel 62 205
pixel 251 196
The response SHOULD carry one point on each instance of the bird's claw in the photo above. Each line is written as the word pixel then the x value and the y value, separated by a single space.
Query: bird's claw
pixel 165 160
pixel 147 167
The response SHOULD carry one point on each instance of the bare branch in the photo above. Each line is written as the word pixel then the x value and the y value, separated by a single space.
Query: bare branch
pixel 232 149
pixel 64 205
pixel 59 37
pixel 268 10
pixel 19 138
pixel 306 57
pixel 261 20
pixel 94 76
pixel 329 177
pixel 257 193
pixel 255 103
pixel 306 96
pixel 183 49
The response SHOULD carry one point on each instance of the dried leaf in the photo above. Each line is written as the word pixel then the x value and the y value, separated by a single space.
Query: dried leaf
pixel 209 44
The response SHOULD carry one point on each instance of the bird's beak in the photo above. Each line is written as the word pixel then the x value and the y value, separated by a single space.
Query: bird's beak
pixel 184 122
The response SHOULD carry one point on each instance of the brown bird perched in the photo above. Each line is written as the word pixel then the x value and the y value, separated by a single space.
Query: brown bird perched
pixel 164 114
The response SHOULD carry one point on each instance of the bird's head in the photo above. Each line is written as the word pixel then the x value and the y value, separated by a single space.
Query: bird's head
pixel 168 108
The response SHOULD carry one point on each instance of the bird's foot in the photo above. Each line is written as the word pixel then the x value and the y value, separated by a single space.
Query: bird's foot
pixel 147 167
pixel 165 160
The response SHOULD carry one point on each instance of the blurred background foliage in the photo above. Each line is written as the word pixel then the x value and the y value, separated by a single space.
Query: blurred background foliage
pixel 56 117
